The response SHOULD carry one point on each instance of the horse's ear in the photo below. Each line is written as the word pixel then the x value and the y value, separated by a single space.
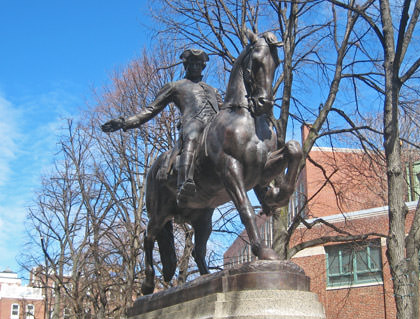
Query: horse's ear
pixel 252 37
pixel 271 39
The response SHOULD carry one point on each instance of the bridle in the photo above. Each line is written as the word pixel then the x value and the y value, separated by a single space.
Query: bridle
pixel 249 82
pixel 245 67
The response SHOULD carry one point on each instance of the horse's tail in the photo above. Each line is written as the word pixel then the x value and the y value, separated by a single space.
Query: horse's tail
pixel 165 240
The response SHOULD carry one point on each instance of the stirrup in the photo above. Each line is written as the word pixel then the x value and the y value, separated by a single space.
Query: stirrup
pixel 186 190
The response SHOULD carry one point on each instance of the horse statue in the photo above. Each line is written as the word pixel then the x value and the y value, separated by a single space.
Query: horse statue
pixel 238 152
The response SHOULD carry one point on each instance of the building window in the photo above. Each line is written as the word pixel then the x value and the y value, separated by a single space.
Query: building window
pixel 266 231
pixel 15 311
pixel 246 254
pixel 355 263
pixel 68 286
pixel 297 203
pixel 413 176
pixel 66 313
pixel 30 311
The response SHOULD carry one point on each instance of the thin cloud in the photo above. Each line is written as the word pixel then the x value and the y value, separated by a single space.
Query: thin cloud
pixel 10 134
pixel 29 132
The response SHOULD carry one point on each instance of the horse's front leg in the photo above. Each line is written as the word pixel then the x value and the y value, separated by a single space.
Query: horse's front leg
pixel 288 157
pixel 234 183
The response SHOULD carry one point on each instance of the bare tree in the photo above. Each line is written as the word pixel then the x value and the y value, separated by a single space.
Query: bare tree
pixel 393 28
pixel 56 219
pixel 128 155
pixel 355 46
pixel 333 44
pixel 314 49
pixel 90 212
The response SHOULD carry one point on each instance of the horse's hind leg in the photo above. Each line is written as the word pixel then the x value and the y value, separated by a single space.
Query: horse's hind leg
pixel 159 205
pixel 202 229
pixel 158 228
pixel 148 284
pixel 234 183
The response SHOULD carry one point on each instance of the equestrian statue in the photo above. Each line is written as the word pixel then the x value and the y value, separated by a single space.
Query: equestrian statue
pixel 226 149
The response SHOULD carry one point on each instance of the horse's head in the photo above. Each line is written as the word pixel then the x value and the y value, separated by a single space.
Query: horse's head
pixel 259 63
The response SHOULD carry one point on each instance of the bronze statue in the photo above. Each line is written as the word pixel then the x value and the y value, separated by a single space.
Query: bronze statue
pixel 237 152
pixel 196 100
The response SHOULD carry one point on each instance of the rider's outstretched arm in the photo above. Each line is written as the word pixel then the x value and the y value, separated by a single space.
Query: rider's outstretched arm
pixel 164 96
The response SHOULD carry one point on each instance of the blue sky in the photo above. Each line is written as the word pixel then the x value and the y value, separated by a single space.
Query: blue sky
pixel 52 54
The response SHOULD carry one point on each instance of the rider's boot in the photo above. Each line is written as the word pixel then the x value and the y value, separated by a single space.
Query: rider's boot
pixel 186 185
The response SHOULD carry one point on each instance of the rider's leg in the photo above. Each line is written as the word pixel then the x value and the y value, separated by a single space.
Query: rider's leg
pixel 190 136
pixel 185 170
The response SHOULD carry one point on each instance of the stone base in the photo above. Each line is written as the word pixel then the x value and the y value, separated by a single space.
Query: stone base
pixel 261 289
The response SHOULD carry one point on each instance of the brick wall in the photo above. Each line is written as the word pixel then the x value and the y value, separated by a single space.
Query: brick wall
pixel 342 180
pixel 348 190
pixel 370 301
pixel 360 302
pixel 6 307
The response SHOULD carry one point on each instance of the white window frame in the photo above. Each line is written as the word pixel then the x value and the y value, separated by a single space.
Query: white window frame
pixel 413 180
pixel 30 313
pixel 66 313
pixel 14 316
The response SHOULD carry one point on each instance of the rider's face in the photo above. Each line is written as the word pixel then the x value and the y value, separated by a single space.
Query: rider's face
pixel 194 68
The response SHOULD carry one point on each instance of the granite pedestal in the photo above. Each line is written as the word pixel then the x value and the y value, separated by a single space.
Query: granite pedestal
pixel 256 290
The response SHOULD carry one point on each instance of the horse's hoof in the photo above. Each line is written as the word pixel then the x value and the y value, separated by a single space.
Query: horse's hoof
pixel 278 196
pixel 147 289
pixel 268 254
pixel 187 188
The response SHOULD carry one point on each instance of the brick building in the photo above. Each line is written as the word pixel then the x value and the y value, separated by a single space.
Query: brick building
pixel 347 190
pixel 33 301
pixel 65 298
pixel 55 290
pixel 18 301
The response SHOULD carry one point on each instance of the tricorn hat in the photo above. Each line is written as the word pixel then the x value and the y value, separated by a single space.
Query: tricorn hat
pixel 195 54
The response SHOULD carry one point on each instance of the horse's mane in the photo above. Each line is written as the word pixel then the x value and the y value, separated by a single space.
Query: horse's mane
pixel 272 43
pixel 238 62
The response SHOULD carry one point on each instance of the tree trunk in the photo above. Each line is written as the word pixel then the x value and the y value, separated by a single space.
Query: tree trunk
pixel 397 211
pixel 184 261
pixel 413 273
pixel 396 252
pixel 280 235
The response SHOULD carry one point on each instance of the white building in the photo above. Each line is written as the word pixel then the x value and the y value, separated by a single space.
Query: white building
pixel 18 301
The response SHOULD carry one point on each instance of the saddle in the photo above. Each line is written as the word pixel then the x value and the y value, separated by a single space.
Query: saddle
pixel 169 162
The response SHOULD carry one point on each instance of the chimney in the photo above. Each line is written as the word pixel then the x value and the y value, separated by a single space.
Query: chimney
pixel 305 128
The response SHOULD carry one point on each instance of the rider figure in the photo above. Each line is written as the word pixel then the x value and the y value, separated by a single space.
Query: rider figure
pixel 197 102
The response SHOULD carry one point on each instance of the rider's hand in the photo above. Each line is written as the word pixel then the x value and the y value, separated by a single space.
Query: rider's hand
pixel 113 125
